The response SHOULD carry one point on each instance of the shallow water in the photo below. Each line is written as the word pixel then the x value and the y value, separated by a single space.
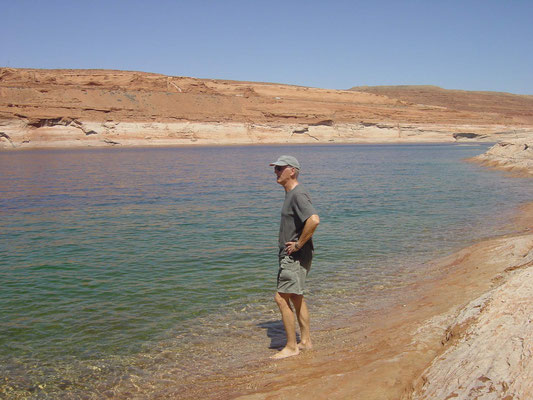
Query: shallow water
pixel 122 268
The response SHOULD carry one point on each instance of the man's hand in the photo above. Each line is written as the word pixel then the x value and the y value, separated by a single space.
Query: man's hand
pixel 309 228
pixel 291 247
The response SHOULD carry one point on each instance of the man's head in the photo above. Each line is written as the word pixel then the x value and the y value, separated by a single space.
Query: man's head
pixel 283 161
pixel 286 169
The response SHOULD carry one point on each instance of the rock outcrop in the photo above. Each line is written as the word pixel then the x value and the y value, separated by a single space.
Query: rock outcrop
pixel 491 350
pixel 514 155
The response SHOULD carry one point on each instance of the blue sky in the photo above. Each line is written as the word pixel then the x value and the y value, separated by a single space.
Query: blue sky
pixel 470 45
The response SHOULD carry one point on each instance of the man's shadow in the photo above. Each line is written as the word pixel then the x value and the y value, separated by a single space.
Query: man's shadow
pixel 276 332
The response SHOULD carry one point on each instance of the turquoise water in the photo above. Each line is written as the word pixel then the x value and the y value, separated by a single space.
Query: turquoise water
pixel 121 259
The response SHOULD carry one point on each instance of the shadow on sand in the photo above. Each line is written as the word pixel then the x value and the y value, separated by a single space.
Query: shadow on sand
pixel 276 332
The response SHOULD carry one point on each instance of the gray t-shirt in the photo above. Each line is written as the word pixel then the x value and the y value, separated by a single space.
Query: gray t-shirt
pixel 297 207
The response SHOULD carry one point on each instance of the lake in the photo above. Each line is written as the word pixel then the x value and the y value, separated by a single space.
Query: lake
pixel 155 266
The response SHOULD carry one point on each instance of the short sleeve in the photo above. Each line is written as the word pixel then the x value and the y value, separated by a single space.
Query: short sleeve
pixel 303 207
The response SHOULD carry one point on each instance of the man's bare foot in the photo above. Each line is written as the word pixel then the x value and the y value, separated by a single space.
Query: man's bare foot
pixel 285 353
pixel 305 346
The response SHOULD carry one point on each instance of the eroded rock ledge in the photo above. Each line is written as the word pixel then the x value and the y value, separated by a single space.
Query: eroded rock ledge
pixel 513 155
pixel 72 132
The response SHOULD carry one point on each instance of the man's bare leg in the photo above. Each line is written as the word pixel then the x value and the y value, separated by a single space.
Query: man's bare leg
pixel 303 320
pixel 287 316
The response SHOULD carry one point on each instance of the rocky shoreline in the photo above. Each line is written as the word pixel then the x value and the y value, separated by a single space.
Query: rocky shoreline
pixel 489 354
pixel 464 331
pixel 488 351
pixel 513 156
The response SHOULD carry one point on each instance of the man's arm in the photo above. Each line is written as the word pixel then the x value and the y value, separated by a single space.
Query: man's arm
pixel 309 228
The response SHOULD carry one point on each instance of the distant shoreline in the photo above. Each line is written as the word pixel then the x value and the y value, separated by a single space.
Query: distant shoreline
pixel 17 136
pixel 217 145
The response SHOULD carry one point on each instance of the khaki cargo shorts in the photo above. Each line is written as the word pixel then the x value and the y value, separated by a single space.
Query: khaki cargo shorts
pixel 291 275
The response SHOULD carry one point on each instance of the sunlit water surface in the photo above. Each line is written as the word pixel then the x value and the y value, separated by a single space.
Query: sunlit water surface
pixel 136 270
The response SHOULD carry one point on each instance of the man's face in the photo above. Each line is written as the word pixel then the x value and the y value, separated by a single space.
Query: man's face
pixel 283 173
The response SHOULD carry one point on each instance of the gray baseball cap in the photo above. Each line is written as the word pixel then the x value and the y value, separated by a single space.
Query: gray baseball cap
pixel 286 160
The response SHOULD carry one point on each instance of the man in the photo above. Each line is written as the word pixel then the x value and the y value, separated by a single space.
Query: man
pixel 299 220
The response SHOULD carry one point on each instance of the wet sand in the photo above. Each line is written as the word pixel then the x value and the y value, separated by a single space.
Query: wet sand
pixel 383 355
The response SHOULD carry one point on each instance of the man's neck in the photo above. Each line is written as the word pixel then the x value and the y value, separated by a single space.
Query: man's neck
pixel 290 185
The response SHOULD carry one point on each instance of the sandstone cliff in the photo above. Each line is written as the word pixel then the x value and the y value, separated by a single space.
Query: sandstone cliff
pixel 68 108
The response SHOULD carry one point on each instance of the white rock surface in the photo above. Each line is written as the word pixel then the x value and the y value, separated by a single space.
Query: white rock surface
pixel 515 155
pixel 491 351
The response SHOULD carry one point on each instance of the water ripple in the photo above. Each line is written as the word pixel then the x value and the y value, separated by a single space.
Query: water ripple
pixel 112 259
